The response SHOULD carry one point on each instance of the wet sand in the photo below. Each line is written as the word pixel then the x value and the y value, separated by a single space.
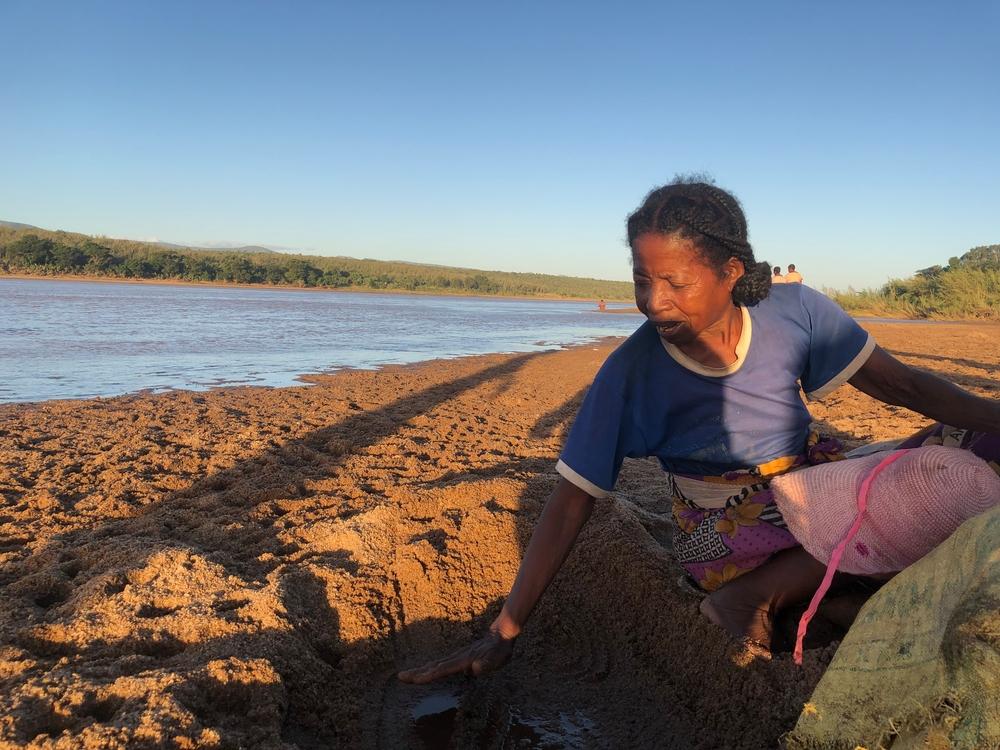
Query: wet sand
pixel 250 567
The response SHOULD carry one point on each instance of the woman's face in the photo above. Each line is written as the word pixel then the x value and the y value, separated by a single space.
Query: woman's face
pixel 677 291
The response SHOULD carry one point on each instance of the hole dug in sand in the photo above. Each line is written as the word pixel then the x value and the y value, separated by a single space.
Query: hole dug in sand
pixel 436 717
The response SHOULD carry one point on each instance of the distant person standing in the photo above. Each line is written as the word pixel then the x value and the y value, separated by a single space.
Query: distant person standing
pixel 777 278
pixel 793 276
pixel 602 305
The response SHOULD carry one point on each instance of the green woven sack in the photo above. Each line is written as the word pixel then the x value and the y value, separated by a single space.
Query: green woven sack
pixel 920 667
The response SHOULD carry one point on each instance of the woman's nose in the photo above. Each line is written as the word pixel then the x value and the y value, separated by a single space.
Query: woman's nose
pixel 661 298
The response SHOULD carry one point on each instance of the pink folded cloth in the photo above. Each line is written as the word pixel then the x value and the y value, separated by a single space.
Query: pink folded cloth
pixel 880 513
pixel 913 504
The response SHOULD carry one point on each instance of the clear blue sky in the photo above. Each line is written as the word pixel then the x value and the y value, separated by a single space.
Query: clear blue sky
pixel 862 137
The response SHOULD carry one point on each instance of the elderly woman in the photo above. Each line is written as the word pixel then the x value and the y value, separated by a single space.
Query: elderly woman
pixel 710 385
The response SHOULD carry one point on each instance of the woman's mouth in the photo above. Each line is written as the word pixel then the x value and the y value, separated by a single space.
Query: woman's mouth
pixel 667 327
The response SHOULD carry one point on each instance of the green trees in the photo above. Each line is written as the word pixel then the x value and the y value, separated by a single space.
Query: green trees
pixel 968 287
pixel 100 260
pixel 985 256
pixel 53 253
pixel 200 269
pixel 301 273
pixel 30 251
pixel 239 269
pixel 69 259
pixel 172 266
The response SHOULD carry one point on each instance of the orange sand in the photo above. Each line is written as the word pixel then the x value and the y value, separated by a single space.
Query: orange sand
pixel 250 567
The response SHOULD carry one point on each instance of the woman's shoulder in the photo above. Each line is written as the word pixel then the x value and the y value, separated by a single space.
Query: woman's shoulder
pixel 784 294
pixel 779 300
pixel 637 347
pixel 632 357
pixel 798 303
pixel 789 302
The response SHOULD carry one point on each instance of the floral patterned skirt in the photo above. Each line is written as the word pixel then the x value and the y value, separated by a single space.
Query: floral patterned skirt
pixel 717 544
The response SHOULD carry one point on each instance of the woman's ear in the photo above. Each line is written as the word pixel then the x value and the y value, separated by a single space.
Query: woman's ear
pixel 733 270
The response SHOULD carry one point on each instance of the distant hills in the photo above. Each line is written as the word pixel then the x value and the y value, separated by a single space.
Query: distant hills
pixel 171 245
pixel 16 225
pixel 26 249
pixel 241 249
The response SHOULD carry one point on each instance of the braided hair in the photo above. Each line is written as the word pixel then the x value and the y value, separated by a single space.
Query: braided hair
pixel 712 219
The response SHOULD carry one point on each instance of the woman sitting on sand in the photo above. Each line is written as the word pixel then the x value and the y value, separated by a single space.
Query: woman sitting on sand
pixel 710 386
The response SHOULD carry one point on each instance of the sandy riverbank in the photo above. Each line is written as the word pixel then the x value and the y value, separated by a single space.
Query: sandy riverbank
pixel 250 567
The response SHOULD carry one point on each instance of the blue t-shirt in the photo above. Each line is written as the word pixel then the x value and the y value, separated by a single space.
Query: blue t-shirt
pixel 650 399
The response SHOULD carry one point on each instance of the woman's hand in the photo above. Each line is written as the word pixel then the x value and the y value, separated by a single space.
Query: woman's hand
pixel 487 654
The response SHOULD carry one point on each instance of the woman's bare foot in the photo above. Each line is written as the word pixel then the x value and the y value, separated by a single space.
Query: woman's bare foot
pixel 740 619
pixel 750 628
pixel 746 606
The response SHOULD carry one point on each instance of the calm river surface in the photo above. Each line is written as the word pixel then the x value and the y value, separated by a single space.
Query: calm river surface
pixel 67 339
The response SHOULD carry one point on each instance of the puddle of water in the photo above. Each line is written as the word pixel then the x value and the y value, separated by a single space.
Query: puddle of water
pixel 564 731
pixel 434 720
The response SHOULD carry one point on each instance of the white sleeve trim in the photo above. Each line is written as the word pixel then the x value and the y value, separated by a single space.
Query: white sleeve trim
pixel 582 482
pixel 846 374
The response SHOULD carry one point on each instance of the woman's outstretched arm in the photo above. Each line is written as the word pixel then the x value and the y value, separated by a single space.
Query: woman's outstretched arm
pixel 886 378
pixel 565 513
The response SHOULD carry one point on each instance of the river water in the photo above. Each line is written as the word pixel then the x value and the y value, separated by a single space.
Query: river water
pixel 69 339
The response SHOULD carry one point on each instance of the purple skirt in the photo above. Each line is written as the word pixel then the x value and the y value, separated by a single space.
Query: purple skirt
pixel 717 545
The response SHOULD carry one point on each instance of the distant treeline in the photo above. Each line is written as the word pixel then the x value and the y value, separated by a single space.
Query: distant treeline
pixel 968 287
pixel 37 251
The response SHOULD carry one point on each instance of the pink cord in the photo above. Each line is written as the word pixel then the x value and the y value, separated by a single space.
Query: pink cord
pixel 838 551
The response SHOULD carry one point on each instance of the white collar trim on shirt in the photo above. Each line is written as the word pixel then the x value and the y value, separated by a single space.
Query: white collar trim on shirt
pixel 742 347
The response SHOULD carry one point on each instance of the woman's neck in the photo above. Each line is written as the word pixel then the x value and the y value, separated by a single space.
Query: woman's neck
pixel 716 345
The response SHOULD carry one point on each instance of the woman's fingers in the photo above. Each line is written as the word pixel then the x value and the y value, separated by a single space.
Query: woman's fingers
pixel 435 670
pixel 483 656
